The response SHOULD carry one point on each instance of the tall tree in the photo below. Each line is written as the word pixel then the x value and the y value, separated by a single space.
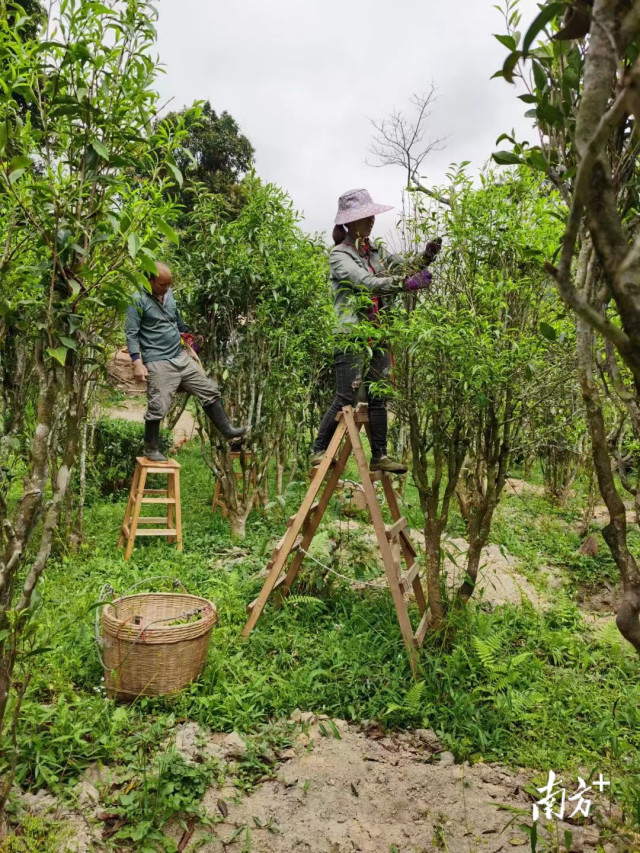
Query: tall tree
pixel 215 153
pixel 77 224
pixel 259 301
pixel 580 65
pixel 470 358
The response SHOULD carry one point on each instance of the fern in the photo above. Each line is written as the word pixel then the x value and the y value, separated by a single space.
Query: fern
pixel 414 699
pixel 488 649
pixel 304 601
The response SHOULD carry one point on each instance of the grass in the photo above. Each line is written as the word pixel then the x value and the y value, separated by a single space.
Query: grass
pixel 514 685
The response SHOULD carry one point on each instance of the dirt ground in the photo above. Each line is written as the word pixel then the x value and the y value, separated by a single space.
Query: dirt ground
pixel 343 789
pixel 518 487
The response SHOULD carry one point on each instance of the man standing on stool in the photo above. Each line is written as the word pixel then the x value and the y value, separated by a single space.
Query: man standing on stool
pixel 153 330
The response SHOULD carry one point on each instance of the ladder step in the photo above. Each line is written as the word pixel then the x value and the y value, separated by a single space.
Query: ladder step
pixel 163 532
pixel 152 519
pixel 278 583
pixel 157 500
pixel 169 470
pixel 155 492
pixel 407 579
pixel 314 470
pixel 394 530
pixel 312 509
pixel 422 629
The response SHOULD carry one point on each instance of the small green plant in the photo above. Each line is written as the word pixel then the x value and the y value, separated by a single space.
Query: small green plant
pixel 169 788
pixel 33 835
pixel 115 444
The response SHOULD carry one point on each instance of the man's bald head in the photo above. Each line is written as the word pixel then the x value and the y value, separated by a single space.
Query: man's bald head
pixel 161 281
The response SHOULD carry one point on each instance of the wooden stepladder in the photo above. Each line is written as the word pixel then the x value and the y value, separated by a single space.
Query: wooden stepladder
pixel 139 495
pixel 392 540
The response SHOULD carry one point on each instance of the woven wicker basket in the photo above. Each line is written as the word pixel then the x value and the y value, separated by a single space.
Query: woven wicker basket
pixel 144 654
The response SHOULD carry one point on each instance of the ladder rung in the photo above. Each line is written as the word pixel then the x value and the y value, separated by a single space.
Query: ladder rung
pixel 358 417
pixel 422 629
pixel 394 530
pixel 157 500
pixel 278 583
pixel 312 509
pixel 377 475
pixel 409 576
pixel 163 532
pixel 314 470
pixel 168 470
pixel 155 492
pixel 152 519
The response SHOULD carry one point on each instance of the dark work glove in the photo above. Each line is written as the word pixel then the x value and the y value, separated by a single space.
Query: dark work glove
pixel 432 249
pixel 419 281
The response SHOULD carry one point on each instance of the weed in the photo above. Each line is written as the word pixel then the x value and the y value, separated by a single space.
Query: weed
pixel 33 835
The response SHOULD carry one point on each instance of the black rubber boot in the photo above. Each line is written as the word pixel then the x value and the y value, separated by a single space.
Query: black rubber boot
pixel 218 416
pixel 152 441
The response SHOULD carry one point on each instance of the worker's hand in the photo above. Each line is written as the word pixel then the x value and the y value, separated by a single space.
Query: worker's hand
pixel 419 281
pixel 139 369
pixel 432 249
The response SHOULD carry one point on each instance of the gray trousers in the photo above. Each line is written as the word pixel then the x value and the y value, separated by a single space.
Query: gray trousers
pixel 166 378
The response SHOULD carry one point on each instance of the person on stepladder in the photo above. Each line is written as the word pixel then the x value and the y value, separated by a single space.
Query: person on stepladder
pixel 360 267
pixel 155 332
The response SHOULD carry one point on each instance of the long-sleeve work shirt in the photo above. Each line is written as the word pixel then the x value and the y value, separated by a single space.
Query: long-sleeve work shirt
pixel 354 275
pixel 153 330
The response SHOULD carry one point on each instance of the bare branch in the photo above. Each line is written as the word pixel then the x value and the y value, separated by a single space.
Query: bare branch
pixel 399 139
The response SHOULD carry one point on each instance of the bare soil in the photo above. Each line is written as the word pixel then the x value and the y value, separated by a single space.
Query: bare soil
pixel 514 486
pixel 343 789
pixel 351 792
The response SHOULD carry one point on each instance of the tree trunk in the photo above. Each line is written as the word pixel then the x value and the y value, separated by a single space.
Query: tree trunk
pixel 587 515
pixel 615 532
pixel 237 524
pixel 432 535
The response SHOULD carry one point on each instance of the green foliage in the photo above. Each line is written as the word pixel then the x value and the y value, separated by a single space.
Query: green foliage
pixel 115 443
pixel 257 295
pixel 70 175
pixel 214 155
pixel 79 225
pixel 32 835
pixel 512 685
pixel 167 788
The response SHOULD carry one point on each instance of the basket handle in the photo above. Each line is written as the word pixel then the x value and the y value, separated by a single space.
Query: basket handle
pixel 176 582
pixel 108 591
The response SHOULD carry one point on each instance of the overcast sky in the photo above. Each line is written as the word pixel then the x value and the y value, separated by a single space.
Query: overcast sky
pixel 303 79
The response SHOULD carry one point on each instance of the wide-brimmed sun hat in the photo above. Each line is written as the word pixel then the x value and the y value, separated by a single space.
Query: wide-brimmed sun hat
pixel 358 204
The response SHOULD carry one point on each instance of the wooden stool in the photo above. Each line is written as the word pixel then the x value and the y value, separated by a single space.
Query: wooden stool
pixel 218 500
pixel 139 495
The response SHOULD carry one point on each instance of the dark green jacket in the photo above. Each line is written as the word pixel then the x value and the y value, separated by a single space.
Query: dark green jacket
pixel 152 331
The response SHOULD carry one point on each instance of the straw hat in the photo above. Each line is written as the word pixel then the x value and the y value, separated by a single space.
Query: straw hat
pixel 358 204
